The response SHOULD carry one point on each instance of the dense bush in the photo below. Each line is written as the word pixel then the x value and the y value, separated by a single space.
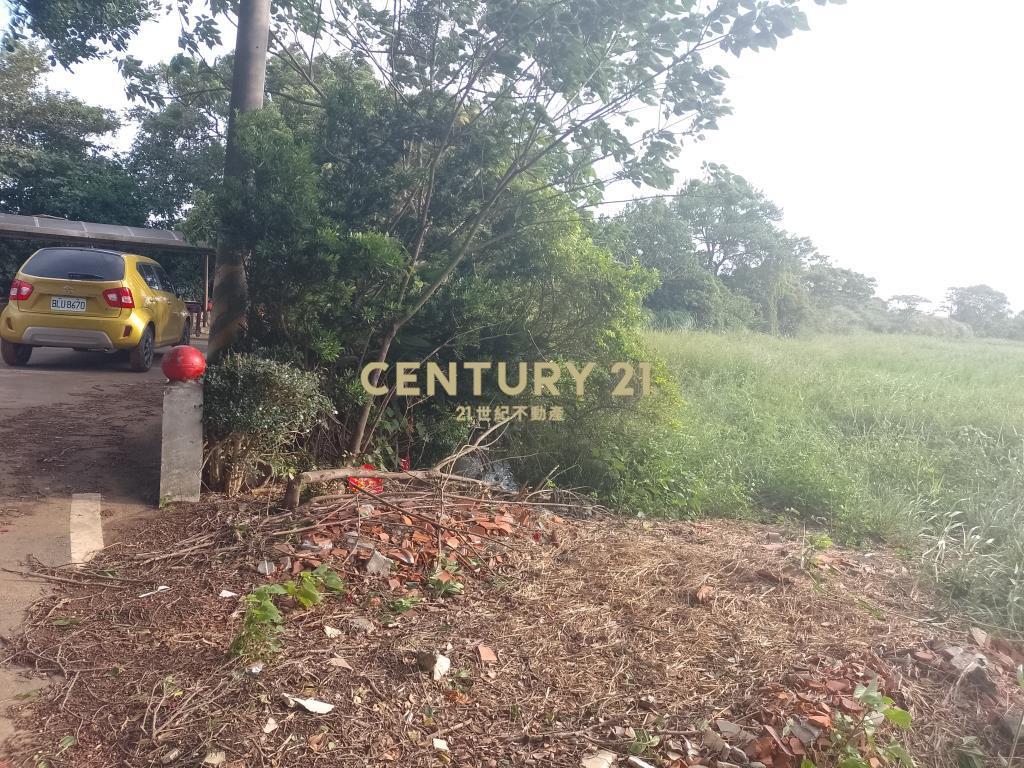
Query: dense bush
pixel 254 409
pixel 323 278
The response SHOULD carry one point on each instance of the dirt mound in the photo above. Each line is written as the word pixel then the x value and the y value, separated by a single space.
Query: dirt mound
pixel 483 632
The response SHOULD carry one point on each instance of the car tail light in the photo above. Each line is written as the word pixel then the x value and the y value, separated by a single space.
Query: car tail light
pixel 119 297
pixel 20 290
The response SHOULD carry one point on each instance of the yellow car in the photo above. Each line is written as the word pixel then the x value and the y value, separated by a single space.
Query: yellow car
pixel 86 298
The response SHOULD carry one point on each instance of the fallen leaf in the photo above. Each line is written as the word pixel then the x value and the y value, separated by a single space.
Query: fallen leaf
pixel 337 661
pixel 778 740
pixel 838 686
pixel 704 594
pixel 733 733
pixel 979 636
pixel 714 743
pixel 487 655
pixel 227 593
pixel 850 705
pixel 332 632
pixel 315 742
pixel 215 758
pixel 807 732
pixel 441 745
pixel 823 720
pixel 310 705
pixel 271 725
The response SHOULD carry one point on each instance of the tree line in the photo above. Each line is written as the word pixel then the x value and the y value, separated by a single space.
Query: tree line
pixel 724 262
pixel 420 186
pixel 720 258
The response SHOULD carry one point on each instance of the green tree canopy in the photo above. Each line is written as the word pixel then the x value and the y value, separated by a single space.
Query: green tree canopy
pixel 981 307
pixel 79 29
pixel 52 157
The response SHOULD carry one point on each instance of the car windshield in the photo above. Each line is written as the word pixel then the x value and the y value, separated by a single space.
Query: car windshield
pixel 75 264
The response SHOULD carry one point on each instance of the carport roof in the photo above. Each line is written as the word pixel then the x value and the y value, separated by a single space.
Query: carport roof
pixel 88 233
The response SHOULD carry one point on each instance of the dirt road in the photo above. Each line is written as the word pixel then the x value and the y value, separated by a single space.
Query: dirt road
pixel 72 425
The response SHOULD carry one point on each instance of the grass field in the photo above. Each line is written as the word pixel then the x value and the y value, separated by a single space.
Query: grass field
pixel 916 440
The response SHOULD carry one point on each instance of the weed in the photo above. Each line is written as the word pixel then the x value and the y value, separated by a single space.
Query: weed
pixel 855 742
pixel 900 438
pixel 643 742
pixel 822 542
pixel 261 625
pixel 403 605
pixel 443 582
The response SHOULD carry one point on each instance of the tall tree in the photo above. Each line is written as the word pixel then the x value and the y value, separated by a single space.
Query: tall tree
pixel 247 84
pixel 732 223
pixel 178 150
pixel 981 307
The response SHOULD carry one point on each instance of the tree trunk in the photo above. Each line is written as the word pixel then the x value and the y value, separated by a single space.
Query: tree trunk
pixel 230 290
pixel 355 445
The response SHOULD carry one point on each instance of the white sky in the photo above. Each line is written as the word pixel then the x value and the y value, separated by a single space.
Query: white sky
pixel 889 134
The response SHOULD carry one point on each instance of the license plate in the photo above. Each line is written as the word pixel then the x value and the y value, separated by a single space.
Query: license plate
pixel 67 304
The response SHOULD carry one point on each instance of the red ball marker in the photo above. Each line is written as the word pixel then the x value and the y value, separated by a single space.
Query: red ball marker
pixel 183 363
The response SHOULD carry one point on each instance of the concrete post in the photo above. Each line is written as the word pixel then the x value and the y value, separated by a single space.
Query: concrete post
pixel 181 452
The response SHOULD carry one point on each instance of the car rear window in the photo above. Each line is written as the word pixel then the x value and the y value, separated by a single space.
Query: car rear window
pixel 75 264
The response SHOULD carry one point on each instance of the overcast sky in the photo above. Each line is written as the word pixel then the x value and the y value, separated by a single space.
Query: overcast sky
pixel 889 134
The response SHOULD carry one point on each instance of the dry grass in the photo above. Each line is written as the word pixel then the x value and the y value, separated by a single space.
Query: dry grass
pixel 604 630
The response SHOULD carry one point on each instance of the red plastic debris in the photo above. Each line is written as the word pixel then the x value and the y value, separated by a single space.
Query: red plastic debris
pixel 369 484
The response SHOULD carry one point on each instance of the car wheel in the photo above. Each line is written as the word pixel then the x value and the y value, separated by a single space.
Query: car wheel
pixel 15 354
pixel 141 357
pixel 186 334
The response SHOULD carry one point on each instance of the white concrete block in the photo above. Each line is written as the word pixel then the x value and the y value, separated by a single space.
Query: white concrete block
pixel 181 453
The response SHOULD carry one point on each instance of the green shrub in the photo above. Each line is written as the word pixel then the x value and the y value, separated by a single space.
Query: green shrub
pixel 254 409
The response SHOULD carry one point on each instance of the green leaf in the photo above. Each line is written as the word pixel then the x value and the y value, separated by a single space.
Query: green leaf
pixel 330 579
pixel 899 754
pixel 898 717
pixel 806 763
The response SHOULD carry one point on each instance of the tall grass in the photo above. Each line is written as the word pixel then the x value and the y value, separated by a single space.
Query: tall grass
pixel 915 440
